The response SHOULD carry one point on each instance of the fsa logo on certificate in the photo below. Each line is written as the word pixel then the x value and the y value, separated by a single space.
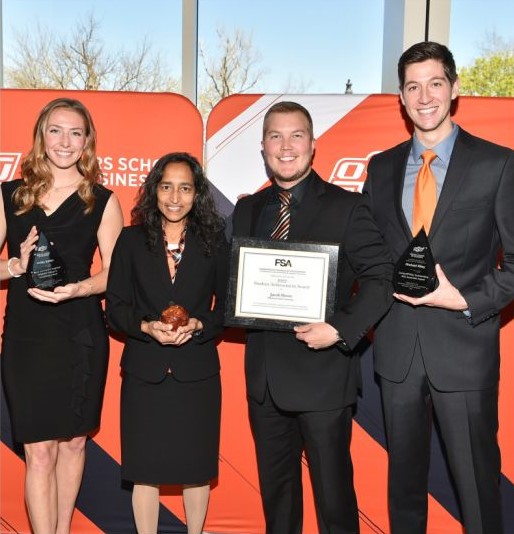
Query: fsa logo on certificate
pixel 8 165
pixel 282 262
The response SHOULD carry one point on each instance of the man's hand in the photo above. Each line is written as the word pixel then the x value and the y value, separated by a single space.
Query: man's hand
pixel 317 335
pixel 444 296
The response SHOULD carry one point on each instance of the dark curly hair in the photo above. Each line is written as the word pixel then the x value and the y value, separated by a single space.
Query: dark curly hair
pixel 203 220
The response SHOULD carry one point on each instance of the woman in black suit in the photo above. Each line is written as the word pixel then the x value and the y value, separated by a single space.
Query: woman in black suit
pixel 171 394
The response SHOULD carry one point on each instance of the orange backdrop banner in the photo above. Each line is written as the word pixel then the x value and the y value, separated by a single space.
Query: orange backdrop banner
pixel 349 129
pixel 135 129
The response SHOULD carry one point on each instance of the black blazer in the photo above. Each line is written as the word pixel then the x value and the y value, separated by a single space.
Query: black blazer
pixel 139 286
pixel 473 222
pixel 300 378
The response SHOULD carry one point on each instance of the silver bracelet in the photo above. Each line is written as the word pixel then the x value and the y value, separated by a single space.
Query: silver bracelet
pixel 9 270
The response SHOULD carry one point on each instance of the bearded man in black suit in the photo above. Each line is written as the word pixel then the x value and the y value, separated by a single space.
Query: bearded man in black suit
pixel 302 384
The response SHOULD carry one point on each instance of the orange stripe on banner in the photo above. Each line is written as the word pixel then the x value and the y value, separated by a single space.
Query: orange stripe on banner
pixel 125 158
pixel 487 117
pixel 236 502
pixel 370 472
pixel 108 436
pixel 12 475
pixel 506 396
pixel 492 118
pixel 351 138
pixel 233 106
pixel 14 515
pixel 370 464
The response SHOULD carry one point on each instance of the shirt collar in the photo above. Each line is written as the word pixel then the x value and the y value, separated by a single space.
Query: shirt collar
pixel 297 190
pixel 443 149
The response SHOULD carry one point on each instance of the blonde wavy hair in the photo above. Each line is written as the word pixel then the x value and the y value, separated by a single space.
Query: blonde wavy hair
pixel 36 172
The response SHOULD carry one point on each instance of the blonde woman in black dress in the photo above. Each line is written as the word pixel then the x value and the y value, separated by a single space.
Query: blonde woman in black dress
pixel 171 395
pixel 55 344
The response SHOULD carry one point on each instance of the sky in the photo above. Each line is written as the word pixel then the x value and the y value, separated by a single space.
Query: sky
pixel 311 46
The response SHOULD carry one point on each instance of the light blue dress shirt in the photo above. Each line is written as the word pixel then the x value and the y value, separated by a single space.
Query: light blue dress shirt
pixel 439 167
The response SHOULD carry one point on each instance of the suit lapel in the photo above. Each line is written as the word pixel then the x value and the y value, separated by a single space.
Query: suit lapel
pixel 399 166
pixel 308 210
pixel 460 161
pixel 397 177
pixel 187 269
pixel 162 270
pixel 257 208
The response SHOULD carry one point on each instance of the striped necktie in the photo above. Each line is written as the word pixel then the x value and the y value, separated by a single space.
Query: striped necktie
pixel 425 195
pixel 281 229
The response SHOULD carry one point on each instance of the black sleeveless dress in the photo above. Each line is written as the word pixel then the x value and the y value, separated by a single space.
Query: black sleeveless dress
pixel 54 356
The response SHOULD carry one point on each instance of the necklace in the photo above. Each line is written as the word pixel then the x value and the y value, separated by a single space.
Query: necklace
pixel 64 187
pixel 174 250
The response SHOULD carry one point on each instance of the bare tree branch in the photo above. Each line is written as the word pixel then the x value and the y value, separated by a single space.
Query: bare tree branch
pixel 80 61
pixel 234 69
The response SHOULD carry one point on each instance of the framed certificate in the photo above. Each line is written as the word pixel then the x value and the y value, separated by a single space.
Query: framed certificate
pixel 275 285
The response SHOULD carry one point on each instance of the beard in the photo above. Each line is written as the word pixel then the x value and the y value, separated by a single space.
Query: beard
pixel 296 177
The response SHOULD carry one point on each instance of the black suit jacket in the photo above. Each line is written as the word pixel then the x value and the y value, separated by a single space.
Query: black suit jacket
pixel 139 286
pixel 301 379
pixel 473 223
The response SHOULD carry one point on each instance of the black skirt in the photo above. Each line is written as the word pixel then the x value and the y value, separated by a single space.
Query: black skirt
pixel 55 386
pixel 170 431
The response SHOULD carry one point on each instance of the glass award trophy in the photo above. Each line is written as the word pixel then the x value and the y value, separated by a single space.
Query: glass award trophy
pixel 46 269
pixel 414 273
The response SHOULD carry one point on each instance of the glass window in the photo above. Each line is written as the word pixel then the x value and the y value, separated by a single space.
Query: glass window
pixel 475 25
pixel 316 46
pixel 482 41
pixel 295 46
pixel 123 34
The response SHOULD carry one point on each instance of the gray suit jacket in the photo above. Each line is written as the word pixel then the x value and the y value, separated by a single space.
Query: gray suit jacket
pixel 473 227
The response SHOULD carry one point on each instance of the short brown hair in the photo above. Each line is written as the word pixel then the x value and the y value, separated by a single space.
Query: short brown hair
pixel 287 107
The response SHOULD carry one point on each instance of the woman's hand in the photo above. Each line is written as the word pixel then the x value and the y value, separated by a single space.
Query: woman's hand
pixel 26 247
pixel 193 325
pixel 164 333
pixel 59 294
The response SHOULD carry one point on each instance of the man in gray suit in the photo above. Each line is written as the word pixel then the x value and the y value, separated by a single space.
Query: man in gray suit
pixel 439 354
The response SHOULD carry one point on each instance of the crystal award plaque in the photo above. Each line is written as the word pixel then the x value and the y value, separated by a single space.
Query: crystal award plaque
pixel 46 269
pixel 414 273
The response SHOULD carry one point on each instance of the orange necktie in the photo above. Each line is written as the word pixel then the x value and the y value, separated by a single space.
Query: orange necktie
pixel 425 195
